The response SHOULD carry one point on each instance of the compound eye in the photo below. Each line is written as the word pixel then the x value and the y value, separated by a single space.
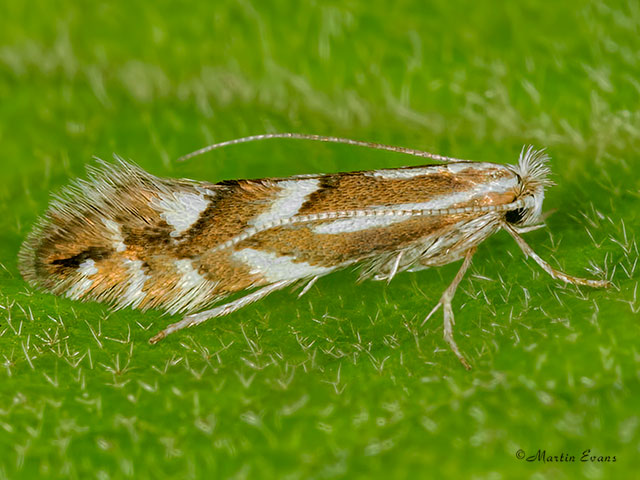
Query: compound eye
pixel 515 216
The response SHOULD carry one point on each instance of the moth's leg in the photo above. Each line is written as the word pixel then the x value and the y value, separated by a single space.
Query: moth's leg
pixel 309 284
pixel 557 274
pixel 447 310
pixel 530 228
pixel 394 268
pixel 227 308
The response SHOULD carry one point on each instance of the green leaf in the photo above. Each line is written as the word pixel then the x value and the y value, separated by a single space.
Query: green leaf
pixel 344 382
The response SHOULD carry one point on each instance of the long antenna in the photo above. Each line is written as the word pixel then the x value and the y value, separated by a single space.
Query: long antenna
pixel 320 138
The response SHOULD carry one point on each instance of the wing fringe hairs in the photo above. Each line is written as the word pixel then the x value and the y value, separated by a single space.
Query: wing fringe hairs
pixel 90 243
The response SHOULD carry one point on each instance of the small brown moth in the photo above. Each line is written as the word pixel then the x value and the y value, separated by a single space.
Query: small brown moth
pixel 132 239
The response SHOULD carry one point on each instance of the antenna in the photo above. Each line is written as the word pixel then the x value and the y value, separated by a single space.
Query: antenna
pixel 320 138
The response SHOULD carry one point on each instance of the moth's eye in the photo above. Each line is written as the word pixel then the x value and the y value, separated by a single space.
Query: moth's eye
pixel 515 216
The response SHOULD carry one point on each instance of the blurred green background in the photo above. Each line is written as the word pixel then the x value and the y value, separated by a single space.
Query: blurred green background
pixel 343 383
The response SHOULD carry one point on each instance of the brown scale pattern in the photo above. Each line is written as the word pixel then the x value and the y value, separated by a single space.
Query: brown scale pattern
pixel 355 191
pixel 111 277
pixel 231 275
pixel 227 215
pixel 67 244
pixel 300 242
pixel 162 285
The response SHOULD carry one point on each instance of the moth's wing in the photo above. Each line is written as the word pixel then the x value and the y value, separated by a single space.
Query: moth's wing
pixel 112 238
pixel 368 218
pixel 129 238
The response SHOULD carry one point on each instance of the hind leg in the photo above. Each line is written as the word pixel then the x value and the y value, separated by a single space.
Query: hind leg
pixel 219 311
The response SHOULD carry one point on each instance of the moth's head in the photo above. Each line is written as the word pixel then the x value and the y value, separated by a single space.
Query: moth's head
pixel 533 176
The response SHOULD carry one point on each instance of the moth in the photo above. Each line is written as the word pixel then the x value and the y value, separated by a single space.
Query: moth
pixel 132 239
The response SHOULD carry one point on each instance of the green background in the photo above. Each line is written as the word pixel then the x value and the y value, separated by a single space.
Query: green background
pixel 345 382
